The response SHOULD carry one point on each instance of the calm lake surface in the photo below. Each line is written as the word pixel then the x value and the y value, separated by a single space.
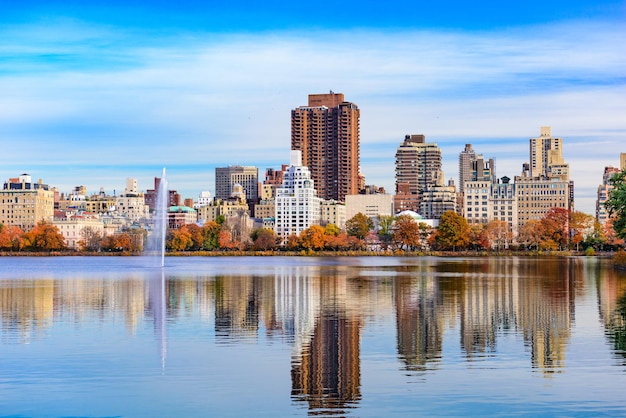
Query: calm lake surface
pixel 297 336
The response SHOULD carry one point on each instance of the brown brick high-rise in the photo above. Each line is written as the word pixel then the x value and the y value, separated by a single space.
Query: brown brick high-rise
pixel 327 133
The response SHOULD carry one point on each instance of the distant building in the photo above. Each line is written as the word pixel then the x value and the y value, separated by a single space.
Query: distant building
pixel 150 196
pixel 544 183
pixel 417 164
pixel 622 161
pixel 74 228
pixel 203 199
pixel 266 208
pixel 326 132
pixel 485 201
pixel 297 204
pixel 472 167
pixel 333 212
pixel 604 189
pixel 24 203
pixel 438 198
pixel 246 176
pixel 132 203
pixel 273 180
pixel 178 216
pixel 370 205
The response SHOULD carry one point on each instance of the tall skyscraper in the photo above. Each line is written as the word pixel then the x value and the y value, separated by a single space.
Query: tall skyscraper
pixel 227 177
pixel 327 133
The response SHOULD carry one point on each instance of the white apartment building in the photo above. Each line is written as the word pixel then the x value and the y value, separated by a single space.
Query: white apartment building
pixel 297 204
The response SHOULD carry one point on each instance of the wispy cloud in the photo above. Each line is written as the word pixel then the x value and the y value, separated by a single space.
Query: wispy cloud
pixel 84 95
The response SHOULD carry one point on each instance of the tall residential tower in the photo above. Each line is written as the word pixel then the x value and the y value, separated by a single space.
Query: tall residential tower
pixel 327 134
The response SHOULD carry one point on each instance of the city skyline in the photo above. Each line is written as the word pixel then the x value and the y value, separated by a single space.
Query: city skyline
pixel 93 95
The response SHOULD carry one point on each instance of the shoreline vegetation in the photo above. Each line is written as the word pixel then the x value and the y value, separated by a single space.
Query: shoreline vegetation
pixel 618 257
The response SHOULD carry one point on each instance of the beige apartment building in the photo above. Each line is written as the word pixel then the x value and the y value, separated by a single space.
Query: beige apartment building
pixel 333 212
pixel 327 134
pixel 24 203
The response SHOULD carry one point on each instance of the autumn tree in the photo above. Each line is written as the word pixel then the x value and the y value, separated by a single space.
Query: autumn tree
pixel 196 233
pixel 179 239
pixel 453 232
pixel 406 233
pixel 331 230
pixel 124 241
pixel 264 239
pixel 478 237
pixel 530 234
pixel 313 238
pixel 616 203
pixel 292 243
pixel 11 238
pixel 44 237
pixel 581 225
pixel 499 234
pixel 340 242
pixel 425 232
pixel 91 239
pixel 359 225
pixel 555 228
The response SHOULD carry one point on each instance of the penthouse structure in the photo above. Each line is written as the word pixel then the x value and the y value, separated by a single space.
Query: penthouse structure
pixel 326 132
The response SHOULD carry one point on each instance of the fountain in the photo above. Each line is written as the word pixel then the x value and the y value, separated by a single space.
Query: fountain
pixel 156 241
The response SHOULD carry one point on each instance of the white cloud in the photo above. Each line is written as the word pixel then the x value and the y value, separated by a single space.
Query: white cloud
pixel 99 94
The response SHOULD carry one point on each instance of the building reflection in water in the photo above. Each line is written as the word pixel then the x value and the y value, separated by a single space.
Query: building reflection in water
pixel 326 372
pixel 320 311
pixel 611 285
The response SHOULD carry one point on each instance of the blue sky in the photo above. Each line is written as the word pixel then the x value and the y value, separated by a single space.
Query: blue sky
pixel 94 92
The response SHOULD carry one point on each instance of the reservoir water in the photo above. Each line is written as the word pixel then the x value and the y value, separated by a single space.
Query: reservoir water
pixel 298 336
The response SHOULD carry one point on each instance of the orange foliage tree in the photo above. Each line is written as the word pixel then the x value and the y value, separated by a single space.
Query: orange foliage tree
pixel 313 238
pixel 44 237
pixel 11 238
pixel 405 233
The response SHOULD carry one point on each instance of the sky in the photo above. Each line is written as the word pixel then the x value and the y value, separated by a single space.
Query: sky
pixel 92 93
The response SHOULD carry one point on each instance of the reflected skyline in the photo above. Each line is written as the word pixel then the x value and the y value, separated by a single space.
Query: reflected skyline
pixel 320 312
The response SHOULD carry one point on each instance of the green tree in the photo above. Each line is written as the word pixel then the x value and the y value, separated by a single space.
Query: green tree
pixel 616 203
pixel 385 229
pixel 210 233
pixel 453 232
pixel 359 225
